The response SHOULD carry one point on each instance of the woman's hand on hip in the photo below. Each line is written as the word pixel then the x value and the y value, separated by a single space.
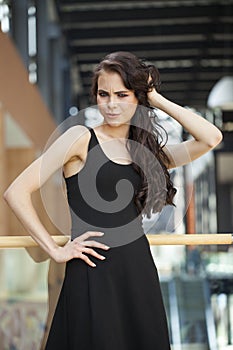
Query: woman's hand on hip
pixel 80 247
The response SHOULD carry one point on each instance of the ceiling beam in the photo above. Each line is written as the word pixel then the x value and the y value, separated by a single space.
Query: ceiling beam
pixel 66 6
pixel 149 13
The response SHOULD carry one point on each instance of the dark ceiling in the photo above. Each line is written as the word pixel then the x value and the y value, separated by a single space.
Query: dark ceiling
pixel 190 41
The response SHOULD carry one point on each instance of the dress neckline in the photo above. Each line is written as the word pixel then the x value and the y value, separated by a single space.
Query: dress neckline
pixel 110 160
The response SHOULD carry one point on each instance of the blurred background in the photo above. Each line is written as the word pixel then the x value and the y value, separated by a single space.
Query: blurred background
pixel 48 50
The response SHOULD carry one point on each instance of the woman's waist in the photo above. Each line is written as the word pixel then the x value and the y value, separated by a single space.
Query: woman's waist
pixel 113 236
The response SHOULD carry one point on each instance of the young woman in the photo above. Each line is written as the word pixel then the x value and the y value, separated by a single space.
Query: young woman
pixel 114 173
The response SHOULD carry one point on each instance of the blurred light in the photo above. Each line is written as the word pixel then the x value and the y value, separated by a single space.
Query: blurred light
pixel 32 49
pixel 32 77
pixel 221 94
pixel 31 10
pixel 32 70
pixel 92 117
pixel 33 66
pixel 73 111
pixel 4 17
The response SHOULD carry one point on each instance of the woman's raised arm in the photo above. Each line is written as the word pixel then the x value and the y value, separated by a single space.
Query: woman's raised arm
pixel 206 136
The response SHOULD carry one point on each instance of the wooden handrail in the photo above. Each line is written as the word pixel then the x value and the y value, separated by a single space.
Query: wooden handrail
pixel 154 239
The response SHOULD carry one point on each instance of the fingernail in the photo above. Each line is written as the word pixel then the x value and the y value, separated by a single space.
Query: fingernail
pixel 94 265
pixel 102 233
pixel 103 257
pixel 107 247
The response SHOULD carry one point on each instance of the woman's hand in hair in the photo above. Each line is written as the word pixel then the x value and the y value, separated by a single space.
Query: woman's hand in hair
pixel 152 95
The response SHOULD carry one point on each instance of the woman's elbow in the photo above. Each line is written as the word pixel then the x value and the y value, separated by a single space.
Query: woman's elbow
pixel 9 195
pixel 215 139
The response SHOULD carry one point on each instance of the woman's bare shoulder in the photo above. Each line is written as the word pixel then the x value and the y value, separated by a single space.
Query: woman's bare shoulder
pixel 79 135
pixel 68 145
pixel 73 139
pixel 77 154
pixel 77 132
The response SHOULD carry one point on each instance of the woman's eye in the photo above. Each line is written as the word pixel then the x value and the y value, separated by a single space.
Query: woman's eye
pixel 122 95
pixel 102 94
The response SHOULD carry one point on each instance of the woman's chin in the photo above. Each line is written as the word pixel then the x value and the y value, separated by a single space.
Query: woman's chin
pixel 116 123
pixel 113 121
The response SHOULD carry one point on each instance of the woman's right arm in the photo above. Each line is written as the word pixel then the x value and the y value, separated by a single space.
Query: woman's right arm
pixel 18 196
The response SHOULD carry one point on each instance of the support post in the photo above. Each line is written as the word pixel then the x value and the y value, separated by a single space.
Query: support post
pixel 20 28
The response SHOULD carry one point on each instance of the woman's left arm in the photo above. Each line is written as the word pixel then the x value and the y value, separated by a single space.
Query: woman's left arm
pixel 206 136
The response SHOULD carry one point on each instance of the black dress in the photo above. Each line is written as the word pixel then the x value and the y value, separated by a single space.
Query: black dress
pixel 116 305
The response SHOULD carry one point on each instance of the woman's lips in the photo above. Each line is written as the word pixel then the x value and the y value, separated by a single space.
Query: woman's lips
pixel 112 115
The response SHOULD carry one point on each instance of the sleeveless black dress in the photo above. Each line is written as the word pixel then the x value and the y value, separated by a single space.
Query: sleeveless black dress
pixel 116 305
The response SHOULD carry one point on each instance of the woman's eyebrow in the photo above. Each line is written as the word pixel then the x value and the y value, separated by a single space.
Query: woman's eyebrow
pixel 116 92
pixel 121 92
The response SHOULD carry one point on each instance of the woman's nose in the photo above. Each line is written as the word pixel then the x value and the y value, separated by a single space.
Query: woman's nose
pixel 112 103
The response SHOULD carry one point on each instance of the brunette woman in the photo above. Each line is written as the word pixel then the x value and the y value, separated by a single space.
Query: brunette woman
pixel 115 173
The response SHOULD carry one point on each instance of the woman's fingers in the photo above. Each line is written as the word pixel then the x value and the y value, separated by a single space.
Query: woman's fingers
pixel 93 253
pixel 89 234
pixel 83 249
pixel 95 245
pixel 79 253
pixel 87 260
pixel 149 79
pixel 81 246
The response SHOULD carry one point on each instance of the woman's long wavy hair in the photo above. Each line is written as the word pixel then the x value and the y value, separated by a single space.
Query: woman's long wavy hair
pixel 144 129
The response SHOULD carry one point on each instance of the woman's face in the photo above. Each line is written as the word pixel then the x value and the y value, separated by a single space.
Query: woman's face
pixel 116 103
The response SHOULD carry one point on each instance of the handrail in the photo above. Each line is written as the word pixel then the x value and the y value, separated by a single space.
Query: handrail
pixel 154 239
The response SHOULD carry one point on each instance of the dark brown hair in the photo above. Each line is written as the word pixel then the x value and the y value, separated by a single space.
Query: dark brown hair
pixel 144 129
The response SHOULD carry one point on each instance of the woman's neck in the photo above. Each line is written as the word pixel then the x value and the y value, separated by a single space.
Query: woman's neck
pixel 121 131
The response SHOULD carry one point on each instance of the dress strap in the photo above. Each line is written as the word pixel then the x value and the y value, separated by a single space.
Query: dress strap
pixel 93 140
